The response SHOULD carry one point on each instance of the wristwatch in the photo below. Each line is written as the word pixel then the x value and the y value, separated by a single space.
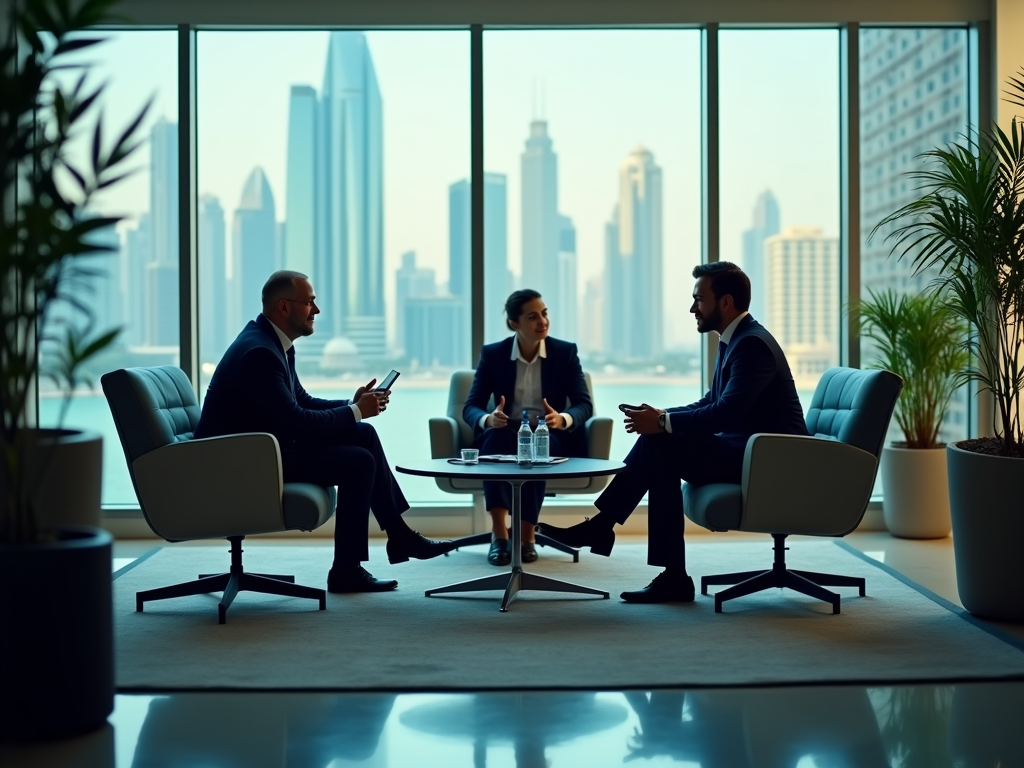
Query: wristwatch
pixel 661 421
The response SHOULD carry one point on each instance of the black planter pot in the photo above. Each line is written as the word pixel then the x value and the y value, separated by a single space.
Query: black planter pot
pixel 57 639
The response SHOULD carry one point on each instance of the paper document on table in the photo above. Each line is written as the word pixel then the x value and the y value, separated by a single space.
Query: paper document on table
pixel 510 458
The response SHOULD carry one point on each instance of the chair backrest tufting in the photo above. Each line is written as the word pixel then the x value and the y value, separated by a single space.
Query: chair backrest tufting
pixel 152 407
pixel 854 406
pixel 458 391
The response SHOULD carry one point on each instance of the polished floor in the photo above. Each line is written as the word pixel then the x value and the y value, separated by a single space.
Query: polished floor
pixel 965 725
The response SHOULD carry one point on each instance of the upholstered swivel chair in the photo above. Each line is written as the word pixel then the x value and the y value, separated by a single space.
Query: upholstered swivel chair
pixel 450 434
pixel 221 487
pixel 817 486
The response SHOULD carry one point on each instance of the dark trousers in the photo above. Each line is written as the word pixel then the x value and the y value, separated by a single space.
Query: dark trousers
pixel 498 494
pixel 655 466
pixel 359 468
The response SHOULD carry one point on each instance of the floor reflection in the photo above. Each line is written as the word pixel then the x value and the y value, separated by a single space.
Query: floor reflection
pixel 970 725
pixel 530 722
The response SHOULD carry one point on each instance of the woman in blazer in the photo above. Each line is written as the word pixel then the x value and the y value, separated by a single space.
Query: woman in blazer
pixel 542 374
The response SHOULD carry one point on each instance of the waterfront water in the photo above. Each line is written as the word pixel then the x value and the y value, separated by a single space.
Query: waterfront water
pixel 403 428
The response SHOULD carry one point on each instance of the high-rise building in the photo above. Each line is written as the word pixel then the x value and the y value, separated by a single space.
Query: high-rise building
pixel 540 222
pixel 765 224
pixel 161 272
pixel 136 255
pixel 913 98
pixel 591 317
pixel 214 332
pixel 253 247
pixel 300 202
pixel 563 305
pixel 802 292
pixel 497 276
pixel 634 319
pixel 430 334
pixel 411 282
pixel 349 262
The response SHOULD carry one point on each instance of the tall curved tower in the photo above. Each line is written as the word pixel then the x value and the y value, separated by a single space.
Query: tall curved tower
pixel 350 196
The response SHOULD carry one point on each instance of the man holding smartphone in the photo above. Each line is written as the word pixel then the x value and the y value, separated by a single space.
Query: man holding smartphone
pixel 752 391
pixel 325 442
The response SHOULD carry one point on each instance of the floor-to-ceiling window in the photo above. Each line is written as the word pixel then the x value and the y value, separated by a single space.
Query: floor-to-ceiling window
pixel 334 154
pixel 592 155
pixel 779 159
pixel 136 287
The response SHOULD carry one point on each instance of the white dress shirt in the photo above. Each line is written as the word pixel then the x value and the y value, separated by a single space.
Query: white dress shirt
pixel 527 392
pixel 286 344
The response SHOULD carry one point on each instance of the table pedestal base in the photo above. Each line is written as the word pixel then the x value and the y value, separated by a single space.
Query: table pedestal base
pixel 513 582
pixel 517 579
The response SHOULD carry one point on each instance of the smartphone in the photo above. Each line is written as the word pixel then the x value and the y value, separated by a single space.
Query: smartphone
pixel 626 407
pixel 388 382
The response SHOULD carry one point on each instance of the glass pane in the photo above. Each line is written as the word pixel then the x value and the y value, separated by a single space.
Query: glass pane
pixel 913 98
pixel 779 113
pixel 138 287
pixel 592 147
pixel 334 157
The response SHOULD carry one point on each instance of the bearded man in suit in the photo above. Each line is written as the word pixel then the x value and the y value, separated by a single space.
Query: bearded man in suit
pixel 752 391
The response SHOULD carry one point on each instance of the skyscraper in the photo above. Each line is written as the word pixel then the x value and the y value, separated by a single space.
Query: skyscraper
pixel 634 319
pixel 563 305
pixel 540 222
pixel 135 258
pixel 431 332
pixel 214 332
pixel 253 252
pixel 161 272
pixel 497 276
pixel 765 224
pixel 411 282
pixel 300 203
pixel 802 293
pixel 913 97
pixel 349 196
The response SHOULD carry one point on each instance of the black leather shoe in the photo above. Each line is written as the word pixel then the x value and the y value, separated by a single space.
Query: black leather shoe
pixel 666 588
pixel 500 552
pixel 405 545
pixel 356 579
pixel 598 537
pixel 529 552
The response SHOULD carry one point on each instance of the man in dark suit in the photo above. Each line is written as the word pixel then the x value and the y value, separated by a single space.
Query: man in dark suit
pixel 324 442
pixel 752 391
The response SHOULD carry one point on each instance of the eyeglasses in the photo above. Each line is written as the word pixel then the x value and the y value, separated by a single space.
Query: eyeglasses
pixel 304 302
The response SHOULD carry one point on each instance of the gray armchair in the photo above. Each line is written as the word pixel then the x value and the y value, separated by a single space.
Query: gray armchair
pixel 817 486
pixel 449 434
pixel 221 487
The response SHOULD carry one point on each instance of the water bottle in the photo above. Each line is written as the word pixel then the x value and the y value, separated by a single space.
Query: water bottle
pixel 524 457
pixel 542 443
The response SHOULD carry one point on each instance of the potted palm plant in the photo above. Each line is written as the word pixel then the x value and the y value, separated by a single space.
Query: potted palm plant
pixel 968 225
pixel 56 637
pixel 919 338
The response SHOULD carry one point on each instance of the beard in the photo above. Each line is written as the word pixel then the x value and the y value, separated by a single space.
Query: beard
pixel 710 322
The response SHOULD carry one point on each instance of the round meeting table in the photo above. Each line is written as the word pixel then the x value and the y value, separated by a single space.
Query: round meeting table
pixel 516 475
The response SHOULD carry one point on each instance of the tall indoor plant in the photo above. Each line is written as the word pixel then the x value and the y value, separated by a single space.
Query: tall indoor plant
pixel 56 638
pixel 919 338
pixel 969 226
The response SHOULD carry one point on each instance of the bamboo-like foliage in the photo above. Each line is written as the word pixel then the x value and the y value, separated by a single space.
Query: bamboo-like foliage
pixel 47 238
pixel 969 224
pixel 921 339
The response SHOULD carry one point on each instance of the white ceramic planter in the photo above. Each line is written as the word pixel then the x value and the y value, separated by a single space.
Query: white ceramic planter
pixel 915 499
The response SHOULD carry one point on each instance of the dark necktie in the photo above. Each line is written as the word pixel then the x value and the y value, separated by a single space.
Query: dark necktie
pixel 290 354
pixel 716 384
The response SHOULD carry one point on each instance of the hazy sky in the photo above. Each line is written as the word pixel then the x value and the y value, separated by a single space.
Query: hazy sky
pixel 602 92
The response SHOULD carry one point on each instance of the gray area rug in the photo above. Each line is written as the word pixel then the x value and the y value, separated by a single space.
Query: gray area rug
pixel 406 641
